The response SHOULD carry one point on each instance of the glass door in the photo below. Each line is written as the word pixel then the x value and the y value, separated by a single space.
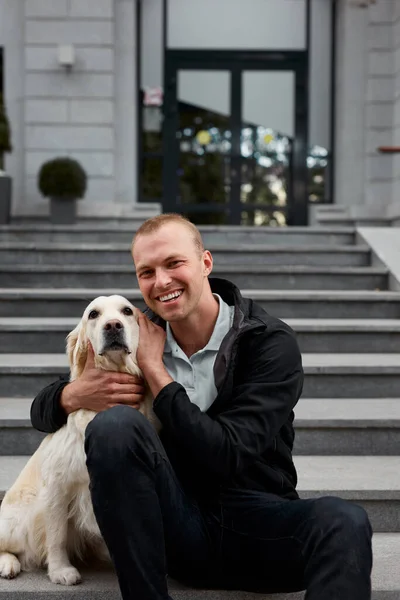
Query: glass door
pixel 267 132
pixel 234 147
pixel 204 145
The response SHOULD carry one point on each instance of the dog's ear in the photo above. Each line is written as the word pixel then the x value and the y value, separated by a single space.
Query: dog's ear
pixel 77 350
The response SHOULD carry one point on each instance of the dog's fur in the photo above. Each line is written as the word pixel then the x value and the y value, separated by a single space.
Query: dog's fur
pixel 46 518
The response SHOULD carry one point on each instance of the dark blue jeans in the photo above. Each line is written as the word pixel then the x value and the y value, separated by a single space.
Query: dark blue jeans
pixel 246 542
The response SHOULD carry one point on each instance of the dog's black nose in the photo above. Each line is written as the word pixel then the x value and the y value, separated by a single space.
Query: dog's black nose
pixel 114 325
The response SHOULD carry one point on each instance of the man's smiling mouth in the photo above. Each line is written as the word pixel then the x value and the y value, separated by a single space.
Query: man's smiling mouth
pixel 171 296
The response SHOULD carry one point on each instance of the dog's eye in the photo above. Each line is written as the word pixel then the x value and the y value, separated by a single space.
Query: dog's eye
pixel 93 314
pixel 127 311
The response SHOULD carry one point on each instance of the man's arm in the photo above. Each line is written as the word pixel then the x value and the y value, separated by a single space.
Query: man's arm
pixel 261 403
pixel 48 414
pixel 95 390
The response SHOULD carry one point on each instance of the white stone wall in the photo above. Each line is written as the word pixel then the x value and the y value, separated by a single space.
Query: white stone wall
pixel 87 112
pixel 12 42
pixel 396 112
pixel 379 104
pixel 351 69
pixel 368 105
pixel 70 113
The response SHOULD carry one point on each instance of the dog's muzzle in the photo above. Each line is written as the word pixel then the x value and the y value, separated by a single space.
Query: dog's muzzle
pixel 114 338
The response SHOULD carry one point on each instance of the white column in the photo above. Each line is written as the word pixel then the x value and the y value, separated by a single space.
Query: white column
pixel 396 116
pixel 125 102
pixel 351 84
pixel 69 112
pixel 12 41
pixel 380 105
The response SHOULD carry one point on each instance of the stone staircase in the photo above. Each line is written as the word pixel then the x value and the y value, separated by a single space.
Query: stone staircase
pixel 323 282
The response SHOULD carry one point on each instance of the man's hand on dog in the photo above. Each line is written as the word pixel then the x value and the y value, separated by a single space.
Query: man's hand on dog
pixel 98 390
pixel 151 344
pixel 150 354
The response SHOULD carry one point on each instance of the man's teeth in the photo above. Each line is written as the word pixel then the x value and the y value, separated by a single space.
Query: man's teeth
pixel 170 296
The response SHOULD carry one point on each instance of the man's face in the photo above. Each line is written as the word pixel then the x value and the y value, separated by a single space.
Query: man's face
pixel 170 272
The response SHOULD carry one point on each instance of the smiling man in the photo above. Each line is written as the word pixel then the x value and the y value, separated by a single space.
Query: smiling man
pixel 212 501
pixel 172 269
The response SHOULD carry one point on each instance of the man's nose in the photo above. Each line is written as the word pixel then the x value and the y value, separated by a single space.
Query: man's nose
pixel 113 325
pixel 162 279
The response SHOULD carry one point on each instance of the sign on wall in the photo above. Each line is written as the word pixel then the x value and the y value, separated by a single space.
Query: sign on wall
pixel 153 96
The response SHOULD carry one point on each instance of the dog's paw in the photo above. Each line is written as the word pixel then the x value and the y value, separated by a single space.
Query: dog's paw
pixel 9 565
pixel 65 576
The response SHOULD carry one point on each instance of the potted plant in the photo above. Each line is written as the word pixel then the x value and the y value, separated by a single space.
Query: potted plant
pixel 63 181
pixel 5 180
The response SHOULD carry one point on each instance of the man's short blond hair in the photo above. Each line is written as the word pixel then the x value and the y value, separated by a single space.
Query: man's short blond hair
pixel 155 223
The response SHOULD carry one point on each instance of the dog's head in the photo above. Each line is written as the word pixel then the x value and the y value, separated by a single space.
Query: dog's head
pixel 110 324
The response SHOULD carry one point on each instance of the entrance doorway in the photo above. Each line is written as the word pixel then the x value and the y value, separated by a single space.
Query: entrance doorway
pixel 235 137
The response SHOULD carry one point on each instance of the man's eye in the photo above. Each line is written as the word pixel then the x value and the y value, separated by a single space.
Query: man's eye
pixel 93 314
pixel 144 273
pixel 174 263
pixel 127 311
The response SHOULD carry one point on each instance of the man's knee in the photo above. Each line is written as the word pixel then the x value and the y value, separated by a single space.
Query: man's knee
pixel 115 432
pixel 343 516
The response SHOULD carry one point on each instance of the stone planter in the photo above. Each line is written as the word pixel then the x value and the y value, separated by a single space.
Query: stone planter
pixel 63 211
pixel 5 199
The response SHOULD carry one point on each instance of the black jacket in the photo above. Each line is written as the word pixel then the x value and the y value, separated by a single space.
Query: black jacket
pixel 245 439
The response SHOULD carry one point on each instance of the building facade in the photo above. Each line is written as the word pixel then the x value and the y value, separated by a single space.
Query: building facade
pixel 249 112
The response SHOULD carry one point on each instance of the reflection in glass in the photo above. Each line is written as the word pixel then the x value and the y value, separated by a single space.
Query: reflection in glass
pixel 262 141
pixel 152 178
pixel 263 218
pixel 265 169
pixel 264 182
pixel 202 131
pixel 204 139
pixel 151 151
pixel 152 129
pixel 206 218
pixel 318 165
pixel 204 179
pixel 204 173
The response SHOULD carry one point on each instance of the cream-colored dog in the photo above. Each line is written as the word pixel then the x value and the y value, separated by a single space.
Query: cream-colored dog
pixel 46 518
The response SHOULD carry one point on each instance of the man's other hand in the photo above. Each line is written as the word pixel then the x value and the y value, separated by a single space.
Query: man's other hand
pixel 98 390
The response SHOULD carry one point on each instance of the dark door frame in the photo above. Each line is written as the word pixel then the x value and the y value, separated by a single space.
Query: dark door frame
pixel 236 62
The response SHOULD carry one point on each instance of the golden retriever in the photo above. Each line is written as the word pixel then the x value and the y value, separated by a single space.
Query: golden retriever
pixel 46 518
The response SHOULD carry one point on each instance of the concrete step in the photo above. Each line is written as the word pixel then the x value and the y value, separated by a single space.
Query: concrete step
pixel 102 585
pixel 347 426
pixel 347 335
pixel 17 436
pixel 35 253
pixel 247 276
pixel 47 334
pixel 327 375
pixel 211 234
pixel 324 426
pixel 134 220
pixel 344 375
pixel 285 304
pixel 371 481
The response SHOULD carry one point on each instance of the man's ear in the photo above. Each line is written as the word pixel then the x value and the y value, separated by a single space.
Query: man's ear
pixel 207 262
pixel 77 350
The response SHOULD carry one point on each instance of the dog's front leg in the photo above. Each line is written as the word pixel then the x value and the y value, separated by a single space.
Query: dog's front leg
pixel 60 569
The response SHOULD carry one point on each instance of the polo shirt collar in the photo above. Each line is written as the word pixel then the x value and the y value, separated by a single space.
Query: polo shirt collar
pixel 218 334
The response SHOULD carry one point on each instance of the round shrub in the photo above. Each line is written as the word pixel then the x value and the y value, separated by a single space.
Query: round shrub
pixel 62 178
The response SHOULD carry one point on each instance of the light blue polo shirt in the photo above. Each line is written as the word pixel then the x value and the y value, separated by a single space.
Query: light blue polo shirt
pixel 196 373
